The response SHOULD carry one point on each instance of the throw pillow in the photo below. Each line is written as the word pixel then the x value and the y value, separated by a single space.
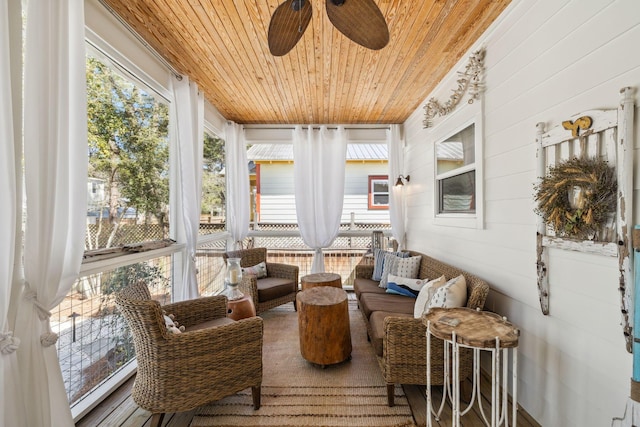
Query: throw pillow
pixel 258 270
pixel 171 325
pixel 379 256
pixel 405 267
pixel 404 285
pixel 452 294
pixel 425 294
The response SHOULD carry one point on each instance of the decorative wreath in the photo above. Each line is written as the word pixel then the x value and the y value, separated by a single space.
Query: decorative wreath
pixel 576 197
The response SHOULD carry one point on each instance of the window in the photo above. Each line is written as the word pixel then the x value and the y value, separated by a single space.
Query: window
pixel 378 192
pixel 128 187
pixel 214 188
pixel 456 173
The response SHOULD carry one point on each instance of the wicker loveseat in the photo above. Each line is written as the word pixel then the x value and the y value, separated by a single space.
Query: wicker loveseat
pixel 400 339
pixel 214 357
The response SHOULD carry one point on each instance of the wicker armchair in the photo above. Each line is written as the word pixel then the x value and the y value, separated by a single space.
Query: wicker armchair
pixel 279 287
pixel 213 358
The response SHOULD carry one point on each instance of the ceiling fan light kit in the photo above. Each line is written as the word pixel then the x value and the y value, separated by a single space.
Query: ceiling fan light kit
pixel 359 20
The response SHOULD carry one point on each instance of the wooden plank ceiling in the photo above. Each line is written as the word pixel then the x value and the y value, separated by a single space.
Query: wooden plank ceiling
pixel 326 78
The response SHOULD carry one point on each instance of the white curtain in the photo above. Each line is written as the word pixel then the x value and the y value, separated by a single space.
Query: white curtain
pixel 319 160
pixel 237 170
pixel 189 134
pixel 55 160
pixel 11 404
pixel 395 146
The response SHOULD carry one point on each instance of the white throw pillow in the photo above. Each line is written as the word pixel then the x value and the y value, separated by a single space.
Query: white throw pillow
pixel 426 292
pixel 259 270
pixel 379 258
pixel 452 294
pixel 170 324
pixel 409 286
pixel 405 267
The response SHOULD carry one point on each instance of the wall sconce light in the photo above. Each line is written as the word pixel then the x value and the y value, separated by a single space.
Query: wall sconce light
pixel 402 180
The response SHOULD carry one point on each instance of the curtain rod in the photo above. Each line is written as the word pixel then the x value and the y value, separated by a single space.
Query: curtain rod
pixel 141 40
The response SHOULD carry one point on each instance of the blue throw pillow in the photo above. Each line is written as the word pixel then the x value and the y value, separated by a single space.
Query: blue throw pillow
pixel 394 288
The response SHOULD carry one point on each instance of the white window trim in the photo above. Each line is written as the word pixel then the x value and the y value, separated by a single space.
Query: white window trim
pixel 467 116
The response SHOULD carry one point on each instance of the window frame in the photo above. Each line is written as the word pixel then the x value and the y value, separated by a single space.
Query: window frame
pixel 127 70
pixel 371 194
pixel 470 115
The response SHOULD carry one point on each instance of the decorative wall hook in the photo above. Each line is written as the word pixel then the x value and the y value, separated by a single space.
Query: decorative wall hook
pixel 583 123
pixel 471 79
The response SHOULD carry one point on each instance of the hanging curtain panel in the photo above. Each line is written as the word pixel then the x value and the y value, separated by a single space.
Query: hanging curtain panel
pixel 319 160
pixel 189 133
pixel 396 168
pixel 11 404
pixel 238 213
pixel 55 161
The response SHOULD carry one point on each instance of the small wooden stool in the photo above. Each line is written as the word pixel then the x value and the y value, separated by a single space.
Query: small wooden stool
pixel 321 279
pixel 323 322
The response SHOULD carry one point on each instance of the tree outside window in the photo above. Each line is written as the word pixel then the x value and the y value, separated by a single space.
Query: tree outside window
pixel 128 160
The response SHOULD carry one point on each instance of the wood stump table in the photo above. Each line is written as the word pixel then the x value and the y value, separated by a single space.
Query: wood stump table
pixel 323 322
pixel 321 279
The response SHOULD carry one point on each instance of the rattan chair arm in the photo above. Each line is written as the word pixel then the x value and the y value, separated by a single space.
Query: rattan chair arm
pixel 249 286
pixel 364 271
pixel 283 271
pixel 405 354
pixel 405 341
pixel 215 355
pixel 198 310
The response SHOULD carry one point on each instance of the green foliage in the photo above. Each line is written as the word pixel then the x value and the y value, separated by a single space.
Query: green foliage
pixel 122 276
pixel 213 183
pixel 128 141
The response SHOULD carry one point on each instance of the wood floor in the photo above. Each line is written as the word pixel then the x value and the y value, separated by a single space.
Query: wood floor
pixel 119 410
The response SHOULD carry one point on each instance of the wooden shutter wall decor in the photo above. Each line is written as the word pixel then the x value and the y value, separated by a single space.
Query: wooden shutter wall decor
pixel 607 135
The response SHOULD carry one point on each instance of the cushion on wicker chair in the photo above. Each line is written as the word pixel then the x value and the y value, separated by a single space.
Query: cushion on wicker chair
pixel 259 270
pixel 274 287
pixel 211 324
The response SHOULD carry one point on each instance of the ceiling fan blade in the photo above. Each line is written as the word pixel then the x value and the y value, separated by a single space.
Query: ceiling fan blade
pixel 359 20
pixel 288 23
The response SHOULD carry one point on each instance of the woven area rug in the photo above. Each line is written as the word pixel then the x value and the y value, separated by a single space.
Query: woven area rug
pixel 296 393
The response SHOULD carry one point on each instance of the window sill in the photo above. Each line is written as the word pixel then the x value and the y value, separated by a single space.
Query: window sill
pixel 458 220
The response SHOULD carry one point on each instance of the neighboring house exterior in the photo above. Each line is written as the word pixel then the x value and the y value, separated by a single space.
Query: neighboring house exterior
pixel 366 192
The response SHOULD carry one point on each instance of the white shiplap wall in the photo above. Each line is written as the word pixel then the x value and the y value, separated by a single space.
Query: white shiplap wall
pixel 546 60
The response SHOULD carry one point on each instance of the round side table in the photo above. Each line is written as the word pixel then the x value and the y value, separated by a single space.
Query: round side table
pixel 321 279
pixel 480 331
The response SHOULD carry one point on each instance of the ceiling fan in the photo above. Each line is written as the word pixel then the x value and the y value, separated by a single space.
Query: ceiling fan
pixel 359 20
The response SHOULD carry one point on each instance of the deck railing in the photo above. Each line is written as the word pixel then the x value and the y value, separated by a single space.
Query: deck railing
pixel 95 349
